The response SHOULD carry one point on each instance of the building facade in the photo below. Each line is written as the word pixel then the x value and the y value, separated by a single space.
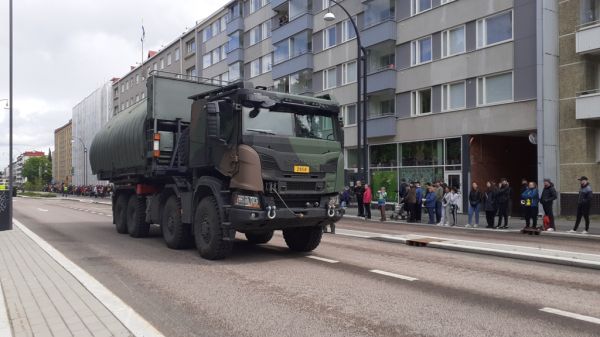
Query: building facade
pixel 20 162
pixel 579 98
pixel 62 157
pixel 457 90
pixel 88 117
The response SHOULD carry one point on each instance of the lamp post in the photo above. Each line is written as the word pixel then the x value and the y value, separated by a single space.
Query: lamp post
pixel 84 159
pixel 361 91
pixel 8 225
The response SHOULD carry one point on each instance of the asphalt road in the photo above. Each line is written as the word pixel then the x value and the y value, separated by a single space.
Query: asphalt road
pixel 268 291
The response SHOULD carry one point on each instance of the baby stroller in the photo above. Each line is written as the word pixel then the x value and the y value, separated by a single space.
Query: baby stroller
pixel 399 212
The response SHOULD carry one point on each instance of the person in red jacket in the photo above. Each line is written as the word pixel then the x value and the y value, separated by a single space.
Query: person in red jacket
pixel 367 198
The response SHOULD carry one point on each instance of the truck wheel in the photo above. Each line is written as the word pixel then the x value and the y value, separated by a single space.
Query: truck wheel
pixel 121 214
pixel 136 217
pixel 208 231
pixel 303 239
pixel 259 237
pixel 177 235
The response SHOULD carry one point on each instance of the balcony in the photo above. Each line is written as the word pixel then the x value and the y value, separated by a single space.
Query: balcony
pixel 379 32
pixel 588 39
pixel 294 26
pixel 382 79
pixel 383 126
pixel 293 65
pixel 235 25
pixel 277 3
pixel 235 55
pixel 587 105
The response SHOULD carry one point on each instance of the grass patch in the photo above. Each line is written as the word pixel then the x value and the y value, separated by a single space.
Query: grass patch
pixel 38 194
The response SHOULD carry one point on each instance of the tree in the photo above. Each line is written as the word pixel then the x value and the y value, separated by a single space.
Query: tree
pixel 49 155
pixel 38 169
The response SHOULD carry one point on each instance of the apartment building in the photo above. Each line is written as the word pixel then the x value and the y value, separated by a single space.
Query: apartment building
pixel 459 90
pixel 20 162
pixel 63 153
pixel 579 98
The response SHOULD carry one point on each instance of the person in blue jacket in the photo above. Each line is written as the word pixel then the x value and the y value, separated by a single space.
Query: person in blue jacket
pixel 430 199
pixel 419 204
pixel 530 199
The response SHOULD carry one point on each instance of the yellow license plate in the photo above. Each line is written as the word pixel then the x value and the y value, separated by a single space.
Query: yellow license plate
pixel 301 169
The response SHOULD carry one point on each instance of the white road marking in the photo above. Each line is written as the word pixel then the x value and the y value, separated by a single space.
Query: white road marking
pixel 5 330
pixel 42 210
pixel 398 276
pixel 135 323
pixel 322 259
pixel 571 315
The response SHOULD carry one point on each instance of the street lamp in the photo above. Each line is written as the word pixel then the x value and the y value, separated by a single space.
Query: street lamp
pixel 84 159
pixel 361 118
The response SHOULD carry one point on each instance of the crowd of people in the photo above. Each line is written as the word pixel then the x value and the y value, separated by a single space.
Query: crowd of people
pixel 95 191
pixel 441 203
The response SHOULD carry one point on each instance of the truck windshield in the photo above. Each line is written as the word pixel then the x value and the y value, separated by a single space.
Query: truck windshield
pixel 277 123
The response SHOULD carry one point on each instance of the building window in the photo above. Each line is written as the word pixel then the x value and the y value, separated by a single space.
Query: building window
pixel 169 59
pixel 206 33
pixel 377 11
pixel 191 71
pixel 235 11
pixel 494 29
pixel 216 55
pixel 329 38
pixel 282 84
pixel 137 98
pixel 419 6
pixel 127 85
pixel 421 102
pixel 254 35
pixel 162 63
pixel 143 95
pixel 348 32
pixel 205 61
pixel 191 46
pixel 299 7
pixel 235 71
pixel 234 41
pixel 453 151
pixel 255 68
pixel 177 54
pixel 215 28
pixel 495 89
pixel 453 96
pixel 421 51
pixel 265 29
pixel 225 77
pixel 348 73
pixel 301 83
pixel 267 63
pixel 325 4
pixel 223 20
pixel 446 2
pixel 453 41
pixel 349 112
pixel 137 78
pixel 254 5
pixel 330 78
pixel 223 51
pixel 296 45
pixel 122 88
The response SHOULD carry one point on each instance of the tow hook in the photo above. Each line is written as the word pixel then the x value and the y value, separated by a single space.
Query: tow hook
pixel 331 212
pixel 271 212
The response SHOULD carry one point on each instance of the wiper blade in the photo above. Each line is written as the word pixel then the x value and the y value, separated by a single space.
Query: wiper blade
pixel 265 132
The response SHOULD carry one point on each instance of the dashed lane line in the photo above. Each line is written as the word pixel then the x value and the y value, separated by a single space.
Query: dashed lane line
pixel 571 315
pixel 398 276
pixel 322 259
pixel 42 210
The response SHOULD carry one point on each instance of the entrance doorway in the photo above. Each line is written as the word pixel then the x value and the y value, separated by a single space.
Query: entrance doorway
pixel 454 179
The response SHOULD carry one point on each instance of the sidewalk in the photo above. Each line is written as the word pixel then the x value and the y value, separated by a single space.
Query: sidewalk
pixel 562 225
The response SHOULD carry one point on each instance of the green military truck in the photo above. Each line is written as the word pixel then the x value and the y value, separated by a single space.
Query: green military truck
pixel 206 161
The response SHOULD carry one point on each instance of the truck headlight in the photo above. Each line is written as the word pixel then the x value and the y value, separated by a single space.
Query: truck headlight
pixel 248 201
pixel 334 201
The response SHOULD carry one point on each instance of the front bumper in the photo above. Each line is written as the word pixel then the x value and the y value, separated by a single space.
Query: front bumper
pixel 247 219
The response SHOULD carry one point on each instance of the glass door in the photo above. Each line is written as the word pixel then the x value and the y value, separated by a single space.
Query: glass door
pixel 454 179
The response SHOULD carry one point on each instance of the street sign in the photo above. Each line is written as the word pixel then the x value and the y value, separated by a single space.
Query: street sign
pixel 5 220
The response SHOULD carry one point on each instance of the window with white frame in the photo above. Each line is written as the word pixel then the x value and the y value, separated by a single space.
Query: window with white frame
pixel 206 33
pixel 137 78
pixel 216 55
pixel 265 29
pixel 162 63
pixel 446 1
pixel 494 29
pixel 225 77
pixel 495 89
pixel 177 54
pixel 348 32
pixel 325 4
pixel 453 96
pixel 421 102
pixel 224 51
pixel 349 73
pixel 421 51
pixel 255 68
pixel 330 78
pixel 223 20
pixel 143 95
pixel 349 113
pixel 419 6
pixel 235 71
pixel 266 63
pixel 122 88
pixel 191 71
pixel 453 41
pixel 215 28
pixel 127 85
pixel 257 4
pixel 169 61
pixel 191 46
pixel 155 66
pixel 206 61
pixel 137 98
pixel 329 37
pixel 254 35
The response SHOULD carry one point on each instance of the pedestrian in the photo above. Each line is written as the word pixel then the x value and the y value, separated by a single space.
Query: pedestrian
pixel 439 194
pixel 445 207
pixel 490 204
pixel 419 204
pixel 345 198
pixel 454 204
pixel 502 199
pixel 403 189
pixel 381 200
pixel 359 190
pixel 584 203
pixel 548 196
pixel 411 202
pixel 429 201
pixel 524 184
pixel 367 198
pixel 475 199
pixel 529 200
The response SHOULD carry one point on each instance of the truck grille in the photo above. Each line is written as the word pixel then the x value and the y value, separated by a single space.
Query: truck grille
pixel 268 162
pixel 296 201
pixel 301 185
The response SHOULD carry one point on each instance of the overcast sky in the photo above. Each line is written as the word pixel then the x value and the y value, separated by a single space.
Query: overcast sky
pixel 65 49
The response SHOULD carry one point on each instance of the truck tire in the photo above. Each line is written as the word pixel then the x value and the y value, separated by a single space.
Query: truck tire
pixel 177 235
pixel 303 239
pixel 208 232
pixel 259 237
pixel 136 217
pixel 121 214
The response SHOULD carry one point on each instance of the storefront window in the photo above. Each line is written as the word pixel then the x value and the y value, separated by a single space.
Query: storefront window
pixel 389 180
pixel 383 155
pixel 453 151
pixel 422 174
pixel 351 158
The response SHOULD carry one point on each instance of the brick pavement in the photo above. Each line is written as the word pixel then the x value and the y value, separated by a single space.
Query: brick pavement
pixel 44 299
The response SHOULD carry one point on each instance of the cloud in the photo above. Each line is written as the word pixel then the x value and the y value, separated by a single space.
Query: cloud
pixel 65 49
